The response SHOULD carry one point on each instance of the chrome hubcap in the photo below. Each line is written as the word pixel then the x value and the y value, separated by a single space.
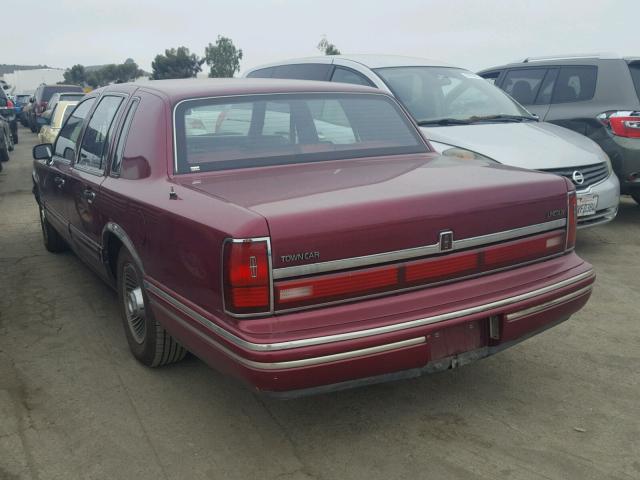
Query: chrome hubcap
pixel 134 304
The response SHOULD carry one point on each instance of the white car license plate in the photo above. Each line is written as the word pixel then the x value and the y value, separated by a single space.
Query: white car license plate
pixel 587 205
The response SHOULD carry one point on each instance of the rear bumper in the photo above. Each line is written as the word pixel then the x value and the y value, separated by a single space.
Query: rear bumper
pixel 628 170
pixel 409 346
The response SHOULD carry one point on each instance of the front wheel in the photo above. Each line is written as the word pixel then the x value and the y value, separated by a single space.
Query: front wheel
pixel 4 150
pixel 149 342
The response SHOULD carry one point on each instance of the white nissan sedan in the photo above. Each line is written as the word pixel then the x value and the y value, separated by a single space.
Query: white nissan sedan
pixel 465 116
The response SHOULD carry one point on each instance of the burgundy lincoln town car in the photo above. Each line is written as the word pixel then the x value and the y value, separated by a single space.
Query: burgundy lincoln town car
pixel 302 236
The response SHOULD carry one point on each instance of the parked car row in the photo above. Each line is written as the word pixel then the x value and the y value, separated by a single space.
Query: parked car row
pixel 7 127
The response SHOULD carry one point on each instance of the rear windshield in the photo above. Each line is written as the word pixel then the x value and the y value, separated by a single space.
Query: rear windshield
pixel 220 134
pixel 71 97
pixel 48 91
pixel 634 68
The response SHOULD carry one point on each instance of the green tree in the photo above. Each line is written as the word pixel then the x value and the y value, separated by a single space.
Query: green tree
pixel 327 48
pixel 75 75
pixel 176 63
pixel 223 58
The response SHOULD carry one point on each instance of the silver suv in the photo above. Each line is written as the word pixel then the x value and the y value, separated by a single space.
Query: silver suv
pixel 594 95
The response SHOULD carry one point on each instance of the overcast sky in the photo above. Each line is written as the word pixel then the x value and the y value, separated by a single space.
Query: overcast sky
pixel 468 33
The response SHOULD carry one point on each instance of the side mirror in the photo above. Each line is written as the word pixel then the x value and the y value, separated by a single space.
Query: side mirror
pixel 536 116
pixel 43 151
pixel 32 99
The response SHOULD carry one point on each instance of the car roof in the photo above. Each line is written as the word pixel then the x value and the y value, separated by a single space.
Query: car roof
pixel 585 59
pixel 368 60
pixel 177 90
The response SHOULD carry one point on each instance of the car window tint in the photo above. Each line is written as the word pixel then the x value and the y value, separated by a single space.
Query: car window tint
pixel 546 90
pixel 303 71
pixel 261 73
pixel 122 139
pixel 66 142
pixel 634 68
pixel 345 75
pixel 283 129
pixel 95 140
pixel 575 84
pixel 523 84
pixel 491 77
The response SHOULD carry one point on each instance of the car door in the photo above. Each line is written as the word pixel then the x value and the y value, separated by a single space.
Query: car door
pixel 85 177
pixel 52 176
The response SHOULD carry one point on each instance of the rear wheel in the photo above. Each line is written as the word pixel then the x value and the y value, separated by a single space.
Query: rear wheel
pixel 52 240
pixel 149 342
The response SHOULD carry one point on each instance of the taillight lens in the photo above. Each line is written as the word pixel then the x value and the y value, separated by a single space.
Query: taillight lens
pixel 622 123
pixel 572 220
pixel 9 104
pixel 247 277
pixel 371 281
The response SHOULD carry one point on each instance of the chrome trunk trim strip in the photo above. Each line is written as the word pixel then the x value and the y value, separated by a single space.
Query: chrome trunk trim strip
pixel 306 342
pixel 397 255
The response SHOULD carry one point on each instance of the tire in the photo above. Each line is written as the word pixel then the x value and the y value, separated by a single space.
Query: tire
pixel 14 135
pixel 52 240
pixel 10 142
pixel 32 126
pixel 149 342
pixel 636 197
pixel 4 150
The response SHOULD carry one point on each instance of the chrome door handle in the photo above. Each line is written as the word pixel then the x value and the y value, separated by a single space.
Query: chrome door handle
pixel 89 195
pixel 59 181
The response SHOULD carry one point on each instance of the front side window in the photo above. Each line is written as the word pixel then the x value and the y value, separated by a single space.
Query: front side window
pixel 285 129
pixel 95 140
pixel 65 146
pixel 575 84
pixel 523 84
pixel 437 94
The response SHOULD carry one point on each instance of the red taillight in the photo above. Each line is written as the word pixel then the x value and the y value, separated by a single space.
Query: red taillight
pixel 247 276
pixel 352 284
pixel 572 220
pixel 9 104
pixel 622 123
pixel 337 286
pixel 523 250
pixel 443 267
pixel 625 126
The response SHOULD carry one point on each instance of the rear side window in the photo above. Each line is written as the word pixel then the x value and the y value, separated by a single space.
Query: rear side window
pixel 262 73
pixel 286 129
pixel 303 71
pixel 634 69
pixel 575 84
pixel 65 146
pixel 122 139
pixel 345 75
pixel 96 137
pixel 523 84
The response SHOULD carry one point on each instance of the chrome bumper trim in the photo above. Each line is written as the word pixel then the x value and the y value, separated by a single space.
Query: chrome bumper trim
pixel 512 317
pixel 305 362
pixel 408 253
pixel 306 342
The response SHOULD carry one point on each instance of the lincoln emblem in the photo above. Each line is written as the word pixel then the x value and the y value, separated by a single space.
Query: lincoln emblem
pixel 446 240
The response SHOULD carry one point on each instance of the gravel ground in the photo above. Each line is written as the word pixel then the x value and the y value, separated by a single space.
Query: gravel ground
pixel 74 404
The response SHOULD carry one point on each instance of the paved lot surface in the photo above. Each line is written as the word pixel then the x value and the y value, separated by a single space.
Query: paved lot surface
pixel 75 404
